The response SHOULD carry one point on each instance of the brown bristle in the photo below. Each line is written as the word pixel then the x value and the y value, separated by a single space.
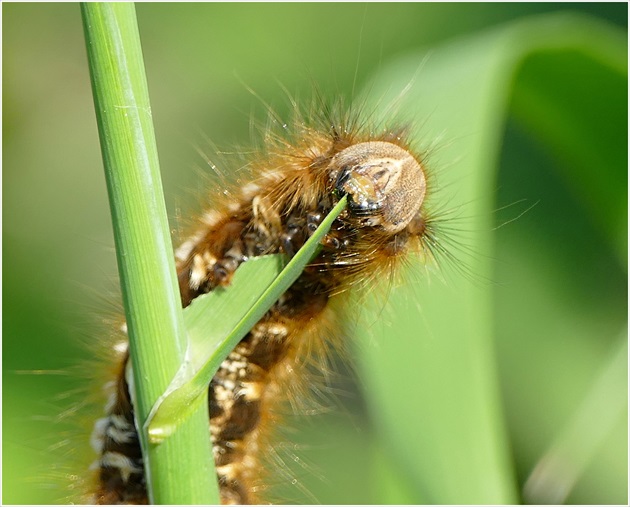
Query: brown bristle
pixel 295 181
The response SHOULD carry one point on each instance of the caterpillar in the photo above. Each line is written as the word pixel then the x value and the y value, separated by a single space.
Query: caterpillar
pixel 294 180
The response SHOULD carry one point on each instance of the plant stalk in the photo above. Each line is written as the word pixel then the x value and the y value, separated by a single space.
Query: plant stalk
pixel 181 469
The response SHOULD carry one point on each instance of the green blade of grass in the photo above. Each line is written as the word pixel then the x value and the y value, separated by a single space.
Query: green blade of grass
pixel 217 321
pixel 446 426
pixel 181 471
pixel 603 406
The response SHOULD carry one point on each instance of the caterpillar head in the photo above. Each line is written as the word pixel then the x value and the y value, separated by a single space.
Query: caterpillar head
pixel 384 182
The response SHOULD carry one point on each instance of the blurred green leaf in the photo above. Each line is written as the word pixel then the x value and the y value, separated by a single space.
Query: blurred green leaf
pixel 431 378
pixel 560 468
pixel 574 98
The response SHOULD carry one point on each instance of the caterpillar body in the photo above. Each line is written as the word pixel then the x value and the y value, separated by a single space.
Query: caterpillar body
pixel 295 180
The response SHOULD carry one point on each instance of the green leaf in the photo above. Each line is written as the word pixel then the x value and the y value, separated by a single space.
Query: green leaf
pixel 577 442
pixel 431 379
pixel 217 321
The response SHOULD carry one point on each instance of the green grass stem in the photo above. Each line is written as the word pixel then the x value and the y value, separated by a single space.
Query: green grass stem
pixel 180 470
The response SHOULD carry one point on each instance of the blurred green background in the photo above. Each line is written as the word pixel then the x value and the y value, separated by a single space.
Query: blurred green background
pixel 559 275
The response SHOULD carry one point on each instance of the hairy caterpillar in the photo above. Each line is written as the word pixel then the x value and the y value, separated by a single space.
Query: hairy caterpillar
pixel 294 182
